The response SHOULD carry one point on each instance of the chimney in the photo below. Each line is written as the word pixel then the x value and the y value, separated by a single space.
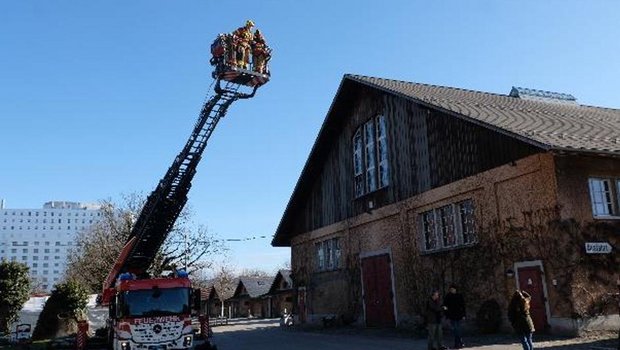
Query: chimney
pixel 1 203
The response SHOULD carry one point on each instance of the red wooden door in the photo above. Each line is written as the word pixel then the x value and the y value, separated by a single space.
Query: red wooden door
pixel 377 280
pixel 530 280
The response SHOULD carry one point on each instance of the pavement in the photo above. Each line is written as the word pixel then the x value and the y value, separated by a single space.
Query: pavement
pixel 262 334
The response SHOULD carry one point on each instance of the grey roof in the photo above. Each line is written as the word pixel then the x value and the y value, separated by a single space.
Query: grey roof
pixel 556 126
pixel 255 286
pixel 282 274
pixel 286 275
pixel 205 293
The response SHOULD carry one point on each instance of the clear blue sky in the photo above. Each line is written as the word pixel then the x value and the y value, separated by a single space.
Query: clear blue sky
pixel 97 97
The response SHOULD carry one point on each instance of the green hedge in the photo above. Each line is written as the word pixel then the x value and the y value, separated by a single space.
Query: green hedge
pixel 68 301
pixel 489 317
pixel 14 290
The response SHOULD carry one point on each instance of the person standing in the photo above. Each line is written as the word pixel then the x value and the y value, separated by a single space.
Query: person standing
pixel 433 320
pixel 519 316
pixel 455 312
pixel 242 43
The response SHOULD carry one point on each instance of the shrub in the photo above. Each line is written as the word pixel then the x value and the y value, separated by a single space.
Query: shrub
pixel 14 289
pixel 68 302
pixel 489 317
pixel 101 332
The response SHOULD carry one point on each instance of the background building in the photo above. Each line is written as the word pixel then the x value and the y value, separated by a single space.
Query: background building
pixel 42 238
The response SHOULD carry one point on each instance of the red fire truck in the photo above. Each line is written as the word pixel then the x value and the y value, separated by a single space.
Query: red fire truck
pixel 154 313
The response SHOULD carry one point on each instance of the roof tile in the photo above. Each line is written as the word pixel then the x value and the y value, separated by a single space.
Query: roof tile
pixel 554 125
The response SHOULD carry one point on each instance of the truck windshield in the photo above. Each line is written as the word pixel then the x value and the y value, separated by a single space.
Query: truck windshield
pixel 155 302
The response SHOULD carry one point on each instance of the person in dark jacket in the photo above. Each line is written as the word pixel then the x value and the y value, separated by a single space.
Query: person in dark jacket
pixel 455 312
pixel 519 316
pixel 433 320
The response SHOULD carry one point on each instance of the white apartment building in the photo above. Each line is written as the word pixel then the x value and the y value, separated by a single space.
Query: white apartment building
pixel 41 238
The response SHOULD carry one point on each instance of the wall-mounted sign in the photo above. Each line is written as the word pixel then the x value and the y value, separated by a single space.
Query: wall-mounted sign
pixel 598 248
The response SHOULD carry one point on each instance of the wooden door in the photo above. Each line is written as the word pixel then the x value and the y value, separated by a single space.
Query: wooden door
pixel 378 294
pixel 530 280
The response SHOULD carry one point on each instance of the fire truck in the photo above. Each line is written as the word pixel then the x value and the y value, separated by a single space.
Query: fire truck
pixel 154 313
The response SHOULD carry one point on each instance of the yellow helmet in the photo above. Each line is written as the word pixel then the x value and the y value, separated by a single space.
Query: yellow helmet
pixel 249 23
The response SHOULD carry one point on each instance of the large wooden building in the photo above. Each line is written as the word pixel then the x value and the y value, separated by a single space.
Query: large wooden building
pixel 412 187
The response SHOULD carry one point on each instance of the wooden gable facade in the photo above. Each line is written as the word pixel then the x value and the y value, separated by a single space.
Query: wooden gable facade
pixel 281 294
pixel 212 303
pixel 472 195
pixel 428 148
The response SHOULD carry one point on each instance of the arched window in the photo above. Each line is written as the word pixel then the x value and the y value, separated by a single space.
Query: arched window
pixel 370 156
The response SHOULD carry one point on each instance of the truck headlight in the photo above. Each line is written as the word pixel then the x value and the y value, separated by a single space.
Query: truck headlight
pixel 187 341
pixel 125 345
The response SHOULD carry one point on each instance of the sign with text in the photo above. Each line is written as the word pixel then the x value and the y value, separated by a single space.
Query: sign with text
pixel 598 248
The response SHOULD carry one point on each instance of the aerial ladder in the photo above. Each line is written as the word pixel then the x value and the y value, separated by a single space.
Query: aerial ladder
pixel 154 312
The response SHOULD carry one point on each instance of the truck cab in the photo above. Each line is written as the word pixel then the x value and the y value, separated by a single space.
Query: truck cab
pixel 151 314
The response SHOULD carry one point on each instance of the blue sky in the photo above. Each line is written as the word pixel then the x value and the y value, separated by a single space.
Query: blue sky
pixel 98 97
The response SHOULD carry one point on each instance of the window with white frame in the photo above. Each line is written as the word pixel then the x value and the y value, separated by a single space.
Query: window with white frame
pixel 604 196
pixel 446 225
pixel 370 156
pixel 320 256
pixel 358 168
pixel 449 226
pixel 466 220
pixel 382 151
pixel 328 254
pixel 429 236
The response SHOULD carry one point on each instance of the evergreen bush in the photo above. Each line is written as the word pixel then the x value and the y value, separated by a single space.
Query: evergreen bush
pixel 14 290
pixel 489 317
pixel 68 303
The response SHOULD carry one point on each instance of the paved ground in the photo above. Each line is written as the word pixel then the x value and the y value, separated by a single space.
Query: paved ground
pixel 256 334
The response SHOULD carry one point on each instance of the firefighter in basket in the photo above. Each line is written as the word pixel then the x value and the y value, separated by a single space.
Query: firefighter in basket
pixel 219 49
pixel 261 53
pixel 242 44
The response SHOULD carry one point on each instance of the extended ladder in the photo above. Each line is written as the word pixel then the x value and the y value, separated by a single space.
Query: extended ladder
pixel 165 203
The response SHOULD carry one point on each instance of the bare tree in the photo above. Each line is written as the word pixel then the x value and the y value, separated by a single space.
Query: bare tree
pixel 225 281
pixel 286 265
pixel 98 247
pixel 191 249
pixel 188 246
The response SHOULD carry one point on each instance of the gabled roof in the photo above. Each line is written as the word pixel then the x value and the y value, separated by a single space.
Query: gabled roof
pixel 208 293
pixel 527 115
pixel 281 275
pixel 556 126
pixel 255 286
